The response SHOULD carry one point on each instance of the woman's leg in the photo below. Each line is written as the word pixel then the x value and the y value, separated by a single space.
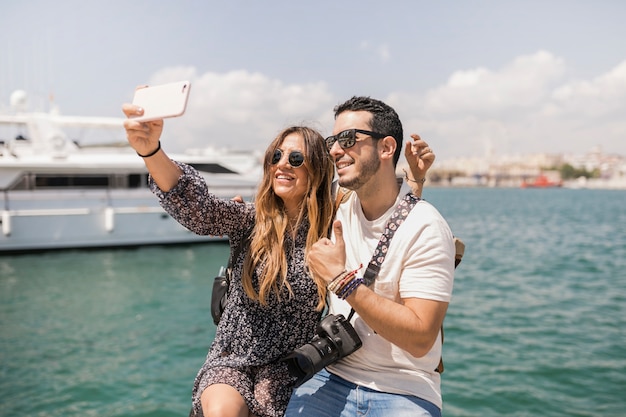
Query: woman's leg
pixel 222 400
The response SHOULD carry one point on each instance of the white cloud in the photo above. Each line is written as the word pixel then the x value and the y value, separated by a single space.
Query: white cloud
pixel 382 51
pixel 523 83
pixel 527 106
pixel 605 94
pixel 241 110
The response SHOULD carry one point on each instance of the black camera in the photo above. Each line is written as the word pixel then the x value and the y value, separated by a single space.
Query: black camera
pixel 334 339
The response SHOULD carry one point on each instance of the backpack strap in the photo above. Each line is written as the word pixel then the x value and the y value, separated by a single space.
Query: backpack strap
pixel 234 254
pixel 459 246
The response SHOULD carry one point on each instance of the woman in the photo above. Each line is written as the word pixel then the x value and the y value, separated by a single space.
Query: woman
pixel 273 304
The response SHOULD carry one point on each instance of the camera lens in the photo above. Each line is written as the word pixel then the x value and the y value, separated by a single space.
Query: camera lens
pixel 302 362
pixel 307 360
pixel 334 339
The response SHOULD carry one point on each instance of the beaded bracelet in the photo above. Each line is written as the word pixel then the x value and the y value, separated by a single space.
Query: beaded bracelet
pixel 332 285
pixel 344 281
pixel 349 289
pixel 151 153
pixel 340 280
pixel 417 181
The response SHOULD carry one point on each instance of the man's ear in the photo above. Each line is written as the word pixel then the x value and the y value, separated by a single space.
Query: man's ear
pixel 387 147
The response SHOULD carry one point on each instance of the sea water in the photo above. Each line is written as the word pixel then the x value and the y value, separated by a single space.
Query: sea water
pixel 536 326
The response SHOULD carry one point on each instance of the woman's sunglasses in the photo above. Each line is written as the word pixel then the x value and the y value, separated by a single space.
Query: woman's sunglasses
pixel 348 138
pixel 295 159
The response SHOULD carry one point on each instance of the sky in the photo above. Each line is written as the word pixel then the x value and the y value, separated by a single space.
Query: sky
pixel 473 78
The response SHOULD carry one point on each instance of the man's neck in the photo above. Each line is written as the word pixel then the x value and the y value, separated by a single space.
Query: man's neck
pixel 378 196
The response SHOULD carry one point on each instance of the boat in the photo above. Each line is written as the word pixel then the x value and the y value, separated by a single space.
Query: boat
pixel 60 193
pixel 542 181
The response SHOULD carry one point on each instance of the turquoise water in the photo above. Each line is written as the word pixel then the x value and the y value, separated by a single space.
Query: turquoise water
pixel 537 325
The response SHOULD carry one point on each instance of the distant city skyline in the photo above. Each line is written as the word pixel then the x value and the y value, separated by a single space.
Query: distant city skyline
pixel 593 169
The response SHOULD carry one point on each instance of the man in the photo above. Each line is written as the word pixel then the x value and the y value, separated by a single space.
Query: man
pixel 399 317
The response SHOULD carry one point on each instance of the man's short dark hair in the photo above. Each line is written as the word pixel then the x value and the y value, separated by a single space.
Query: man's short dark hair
pixel 384 118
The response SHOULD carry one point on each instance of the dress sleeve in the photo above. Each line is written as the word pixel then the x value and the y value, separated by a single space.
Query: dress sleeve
pixel 192 205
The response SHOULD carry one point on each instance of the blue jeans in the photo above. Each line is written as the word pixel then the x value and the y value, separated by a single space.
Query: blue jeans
pixel 329 395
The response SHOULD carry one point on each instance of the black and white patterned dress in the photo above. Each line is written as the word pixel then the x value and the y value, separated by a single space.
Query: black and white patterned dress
pixel 250 339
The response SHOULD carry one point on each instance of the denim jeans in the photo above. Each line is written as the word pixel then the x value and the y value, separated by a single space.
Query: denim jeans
pixel 329 395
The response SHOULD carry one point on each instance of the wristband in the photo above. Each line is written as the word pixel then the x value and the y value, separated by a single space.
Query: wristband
pixel 332 286
pixel 349 289
pixel 151 153
pixel 345 280
pixel 417 181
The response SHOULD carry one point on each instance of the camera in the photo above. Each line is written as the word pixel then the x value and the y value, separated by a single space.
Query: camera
pixel 334 339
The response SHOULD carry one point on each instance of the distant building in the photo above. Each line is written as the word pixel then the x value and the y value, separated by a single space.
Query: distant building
pixel 513 171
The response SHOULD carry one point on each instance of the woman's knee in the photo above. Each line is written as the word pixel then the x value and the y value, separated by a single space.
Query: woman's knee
pixel 221 400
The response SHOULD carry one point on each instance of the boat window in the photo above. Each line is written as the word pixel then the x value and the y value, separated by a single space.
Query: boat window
pixel 212 168
pixel 137 180
pixel 33 181
pixel 43 181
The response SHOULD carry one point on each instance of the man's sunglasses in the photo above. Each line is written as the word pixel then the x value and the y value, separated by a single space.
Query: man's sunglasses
pixel 348 138
pixel 295 159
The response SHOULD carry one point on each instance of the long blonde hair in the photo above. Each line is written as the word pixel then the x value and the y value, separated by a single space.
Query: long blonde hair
pixel 267 245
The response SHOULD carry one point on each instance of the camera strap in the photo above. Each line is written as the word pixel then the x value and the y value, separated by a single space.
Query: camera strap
pixel 397 218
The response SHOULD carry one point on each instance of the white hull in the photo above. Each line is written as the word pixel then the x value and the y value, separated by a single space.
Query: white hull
pixel 88 219
pixel 55 194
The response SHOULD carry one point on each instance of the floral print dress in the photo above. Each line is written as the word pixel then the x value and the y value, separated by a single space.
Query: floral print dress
pixel 250 339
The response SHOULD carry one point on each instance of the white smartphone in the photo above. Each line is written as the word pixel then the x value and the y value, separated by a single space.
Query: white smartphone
pixel 161 101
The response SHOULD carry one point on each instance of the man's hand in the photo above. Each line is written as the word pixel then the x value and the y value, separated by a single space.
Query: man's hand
pixel 326 259
pixel 419 157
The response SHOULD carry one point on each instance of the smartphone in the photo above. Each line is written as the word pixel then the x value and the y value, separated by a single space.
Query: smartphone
pixel 161 101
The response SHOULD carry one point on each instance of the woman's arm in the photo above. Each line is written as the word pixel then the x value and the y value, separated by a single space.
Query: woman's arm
pixel 182 191
pixel 144 139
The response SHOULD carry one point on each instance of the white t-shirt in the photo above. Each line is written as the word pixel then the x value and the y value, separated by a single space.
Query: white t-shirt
pixel 420 264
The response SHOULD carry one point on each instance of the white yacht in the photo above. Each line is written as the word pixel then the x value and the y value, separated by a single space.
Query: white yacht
pixel 59 194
